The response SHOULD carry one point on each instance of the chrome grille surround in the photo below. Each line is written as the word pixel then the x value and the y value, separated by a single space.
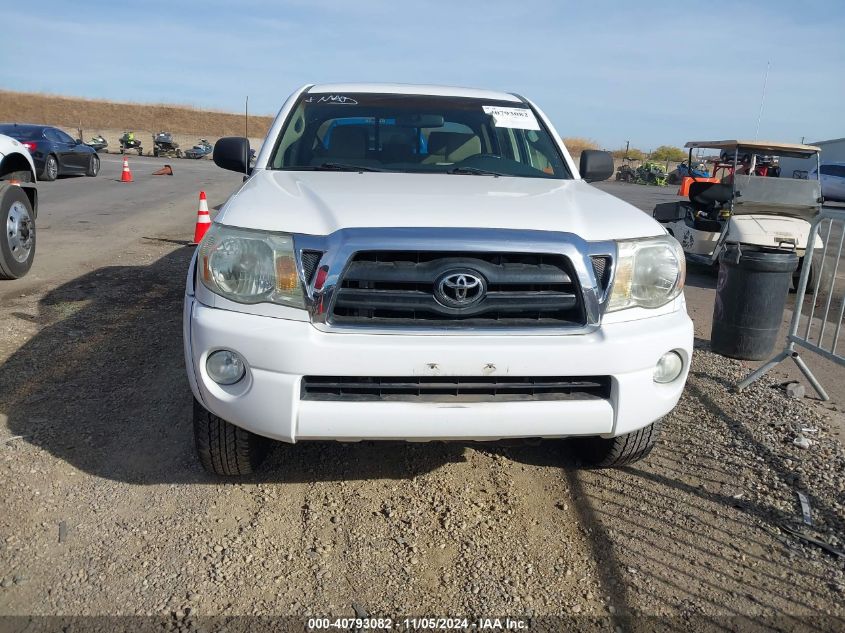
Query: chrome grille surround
pixel 339 248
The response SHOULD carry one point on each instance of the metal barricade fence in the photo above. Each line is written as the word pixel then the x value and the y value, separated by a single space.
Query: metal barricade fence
pixel 816 325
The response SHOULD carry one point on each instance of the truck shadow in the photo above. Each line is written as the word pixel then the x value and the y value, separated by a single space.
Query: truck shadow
pixel 102 386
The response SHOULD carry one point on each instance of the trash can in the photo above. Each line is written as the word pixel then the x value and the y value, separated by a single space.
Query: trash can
pixel 750 297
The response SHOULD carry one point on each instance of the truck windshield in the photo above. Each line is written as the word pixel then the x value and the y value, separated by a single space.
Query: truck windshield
pixel 416 134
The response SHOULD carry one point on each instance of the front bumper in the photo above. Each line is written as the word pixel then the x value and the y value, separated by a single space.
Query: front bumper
pixel 279 352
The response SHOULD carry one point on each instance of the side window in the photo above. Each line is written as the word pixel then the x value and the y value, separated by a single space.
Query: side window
pixel 63 138
pixel 51 135
pixel 838 171
pixel 293 134
pixel 540 151
pixel 827 170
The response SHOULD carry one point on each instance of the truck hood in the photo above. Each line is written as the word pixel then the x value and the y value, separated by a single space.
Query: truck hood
pixel 319 203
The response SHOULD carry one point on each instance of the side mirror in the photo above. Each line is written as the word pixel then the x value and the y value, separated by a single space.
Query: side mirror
pixel 78 141
pixel 232 153
pixel 595 165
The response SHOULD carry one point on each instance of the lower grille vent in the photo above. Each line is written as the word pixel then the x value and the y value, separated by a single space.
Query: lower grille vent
pixel 454 389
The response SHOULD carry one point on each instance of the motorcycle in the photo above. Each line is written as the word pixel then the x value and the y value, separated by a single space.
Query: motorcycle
pixel 97 143
pixel 650 174
pixel 200 150
pixel 164 145
pixel 130 143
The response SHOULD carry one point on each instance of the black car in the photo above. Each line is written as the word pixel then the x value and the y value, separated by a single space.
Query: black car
pixel 55 153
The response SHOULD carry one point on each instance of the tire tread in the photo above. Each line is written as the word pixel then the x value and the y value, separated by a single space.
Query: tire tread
pixel 622 450
pixel 223 448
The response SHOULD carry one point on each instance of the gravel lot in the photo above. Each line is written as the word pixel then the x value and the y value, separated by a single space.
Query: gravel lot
pixel 105 510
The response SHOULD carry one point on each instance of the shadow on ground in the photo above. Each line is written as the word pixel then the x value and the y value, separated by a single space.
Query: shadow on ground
pixel 102 386
pixel 682 524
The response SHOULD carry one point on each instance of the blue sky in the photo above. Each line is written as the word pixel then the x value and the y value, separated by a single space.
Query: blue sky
pixel 649 72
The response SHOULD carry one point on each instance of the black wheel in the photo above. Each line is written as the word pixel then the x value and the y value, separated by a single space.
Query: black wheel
pixel 225 449
pixel 140 151
pixel 155 152
pixel 51 169
pixel 600 452
pixel 17 244
pixel 93 166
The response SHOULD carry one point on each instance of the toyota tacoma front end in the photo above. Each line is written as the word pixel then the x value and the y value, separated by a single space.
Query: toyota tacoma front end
pixel 427 263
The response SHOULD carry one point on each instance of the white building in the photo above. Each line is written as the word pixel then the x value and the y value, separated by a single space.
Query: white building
pixel 833 151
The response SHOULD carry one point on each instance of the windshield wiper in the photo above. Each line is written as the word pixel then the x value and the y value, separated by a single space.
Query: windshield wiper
pixel 474 171
pixel 344 167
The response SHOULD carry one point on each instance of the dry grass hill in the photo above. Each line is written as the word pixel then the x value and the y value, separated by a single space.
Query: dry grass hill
pixel 89 117
pixel 94 115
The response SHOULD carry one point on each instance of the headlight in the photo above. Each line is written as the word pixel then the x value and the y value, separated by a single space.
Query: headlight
pixel 250 266
pixel 649 273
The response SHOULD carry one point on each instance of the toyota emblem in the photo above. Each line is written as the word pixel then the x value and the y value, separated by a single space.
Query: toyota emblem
pixel 459 288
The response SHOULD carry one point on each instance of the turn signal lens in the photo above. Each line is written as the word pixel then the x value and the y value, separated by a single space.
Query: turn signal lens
pixel 286 278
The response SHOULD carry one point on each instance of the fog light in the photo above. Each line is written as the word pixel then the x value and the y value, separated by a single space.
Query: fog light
pixel 225 367
pixel 669 367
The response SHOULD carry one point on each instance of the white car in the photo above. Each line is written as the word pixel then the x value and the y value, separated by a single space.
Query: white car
pixel 18 209
pixel 833 181
pixel 427 263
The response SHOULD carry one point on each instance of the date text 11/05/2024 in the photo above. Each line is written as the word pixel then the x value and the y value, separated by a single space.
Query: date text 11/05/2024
pixel 420 624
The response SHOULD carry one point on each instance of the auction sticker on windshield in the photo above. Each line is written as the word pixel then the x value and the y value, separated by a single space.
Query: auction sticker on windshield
pixel 519 118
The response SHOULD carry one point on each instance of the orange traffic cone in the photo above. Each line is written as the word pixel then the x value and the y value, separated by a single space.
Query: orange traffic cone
pixel 167 170
pixel 126 176
pixel 203 219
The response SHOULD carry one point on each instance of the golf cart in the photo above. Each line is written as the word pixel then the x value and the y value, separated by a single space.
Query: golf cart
pixel 626 171
pixel 746 208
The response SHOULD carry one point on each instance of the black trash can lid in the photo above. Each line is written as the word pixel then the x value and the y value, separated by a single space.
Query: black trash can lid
pixel 769 260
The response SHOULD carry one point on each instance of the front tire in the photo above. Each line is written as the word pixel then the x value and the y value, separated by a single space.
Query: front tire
pixel 613 452
pixel 93 166
pixel 51 169
pixel 17 242
pixel 226 449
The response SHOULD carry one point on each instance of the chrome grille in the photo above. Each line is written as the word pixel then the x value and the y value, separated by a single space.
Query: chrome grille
pixel 398 288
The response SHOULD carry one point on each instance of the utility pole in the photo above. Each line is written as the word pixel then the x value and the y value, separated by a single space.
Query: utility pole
pixel 627 146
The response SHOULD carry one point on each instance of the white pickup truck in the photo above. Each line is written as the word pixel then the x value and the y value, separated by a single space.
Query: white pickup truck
pixel 18 209
pixel 428 263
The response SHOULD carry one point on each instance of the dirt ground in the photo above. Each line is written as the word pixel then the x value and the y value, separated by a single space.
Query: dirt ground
pixel 106 511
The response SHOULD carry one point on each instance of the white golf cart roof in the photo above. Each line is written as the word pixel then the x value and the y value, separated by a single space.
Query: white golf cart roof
pixel 794 150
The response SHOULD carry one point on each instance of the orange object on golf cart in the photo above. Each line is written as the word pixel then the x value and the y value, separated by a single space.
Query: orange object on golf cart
pixel 686 181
